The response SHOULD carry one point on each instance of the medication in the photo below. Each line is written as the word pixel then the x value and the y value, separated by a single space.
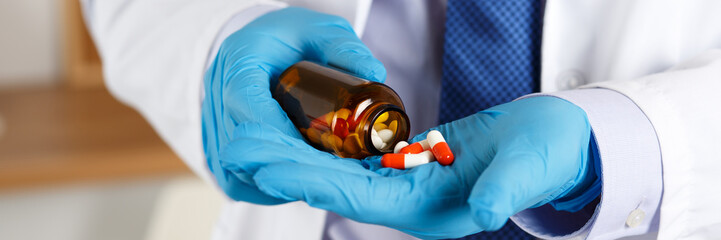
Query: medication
pixel 386 135
pixel 416 147
pixel 439 147
pixel 393 126
pixel 351 144
pixel 377 141
pixel 406 161
pixel 399 146
pixel 341 113
pixel 405 156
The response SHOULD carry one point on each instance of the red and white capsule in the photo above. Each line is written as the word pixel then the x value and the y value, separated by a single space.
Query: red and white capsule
pixel 416 147
pixel 440 148
pixel 400 145
pixel 406 161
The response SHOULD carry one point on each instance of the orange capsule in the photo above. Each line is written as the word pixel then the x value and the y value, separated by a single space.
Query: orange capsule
pixel 406 161
pixel 440 148
pixel 417 147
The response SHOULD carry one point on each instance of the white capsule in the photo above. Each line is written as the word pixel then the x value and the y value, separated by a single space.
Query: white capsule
pixel 414 160
pixel 399 145
pixel 377 142
pixel 374 132
pixel 386 135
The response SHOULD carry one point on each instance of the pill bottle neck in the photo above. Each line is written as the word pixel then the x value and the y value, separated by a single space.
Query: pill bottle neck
pixel 395 113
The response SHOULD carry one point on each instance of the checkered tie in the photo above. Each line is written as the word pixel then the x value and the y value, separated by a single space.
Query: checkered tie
pixel 491 56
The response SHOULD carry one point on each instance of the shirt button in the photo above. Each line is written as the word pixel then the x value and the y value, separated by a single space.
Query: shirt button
pixel 635 218
pixel 570 79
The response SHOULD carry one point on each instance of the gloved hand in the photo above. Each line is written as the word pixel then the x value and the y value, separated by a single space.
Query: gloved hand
pixel 238 84
pixel 508 158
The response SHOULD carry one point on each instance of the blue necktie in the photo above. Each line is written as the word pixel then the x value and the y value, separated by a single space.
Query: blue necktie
pixel 491 56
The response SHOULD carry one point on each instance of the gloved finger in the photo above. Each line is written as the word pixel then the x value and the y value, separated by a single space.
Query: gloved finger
pixel 240 190
pixel 247 155
pixel 346 51
pixel 406 199
pixel 471 151
pixel 248 99
pixel 508 185
pixel 311 35
pixel 331 40
pixel 256 145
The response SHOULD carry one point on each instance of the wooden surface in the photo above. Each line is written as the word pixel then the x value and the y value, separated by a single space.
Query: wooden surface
pixel 54 136
pixel 82 65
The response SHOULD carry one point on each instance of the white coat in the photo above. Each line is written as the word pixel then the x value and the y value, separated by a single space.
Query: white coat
pixel 663 56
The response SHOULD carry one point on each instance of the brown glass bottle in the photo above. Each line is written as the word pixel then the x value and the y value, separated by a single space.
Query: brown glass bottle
pixel 341 113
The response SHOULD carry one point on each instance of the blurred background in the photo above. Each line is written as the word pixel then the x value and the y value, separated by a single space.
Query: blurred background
pixel 74 162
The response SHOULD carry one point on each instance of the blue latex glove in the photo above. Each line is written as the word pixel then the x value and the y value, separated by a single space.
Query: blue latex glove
pixel 508 158
pixel 238 84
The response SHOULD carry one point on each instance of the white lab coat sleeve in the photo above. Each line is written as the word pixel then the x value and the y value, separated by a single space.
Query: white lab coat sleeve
pixel 154 56
pixel 684 106
pixel 630 171
pixel 676 111
pixel 236 23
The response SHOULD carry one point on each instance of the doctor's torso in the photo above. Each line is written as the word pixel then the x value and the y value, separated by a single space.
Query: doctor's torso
pixel 583 42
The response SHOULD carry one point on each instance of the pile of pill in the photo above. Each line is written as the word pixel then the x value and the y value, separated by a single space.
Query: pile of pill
pixel 336 131
pixel 406 156
pixel 383 132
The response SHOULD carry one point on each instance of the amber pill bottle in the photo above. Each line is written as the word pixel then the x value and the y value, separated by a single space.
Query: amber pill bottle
pixel 340 113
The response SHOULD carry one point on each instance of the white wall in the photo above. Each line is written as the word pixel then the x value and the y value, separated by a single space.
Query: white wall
pixel 30 42
pixel 118 210
pixel 178 207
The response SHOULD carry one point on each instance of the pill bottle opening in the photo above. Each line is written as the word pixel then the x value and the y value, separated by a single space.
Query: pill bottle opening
pixel 388 125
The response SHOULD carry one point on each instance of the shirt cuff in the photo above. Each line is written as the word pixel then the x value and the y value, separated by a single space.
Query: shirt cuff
pixel 631 173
